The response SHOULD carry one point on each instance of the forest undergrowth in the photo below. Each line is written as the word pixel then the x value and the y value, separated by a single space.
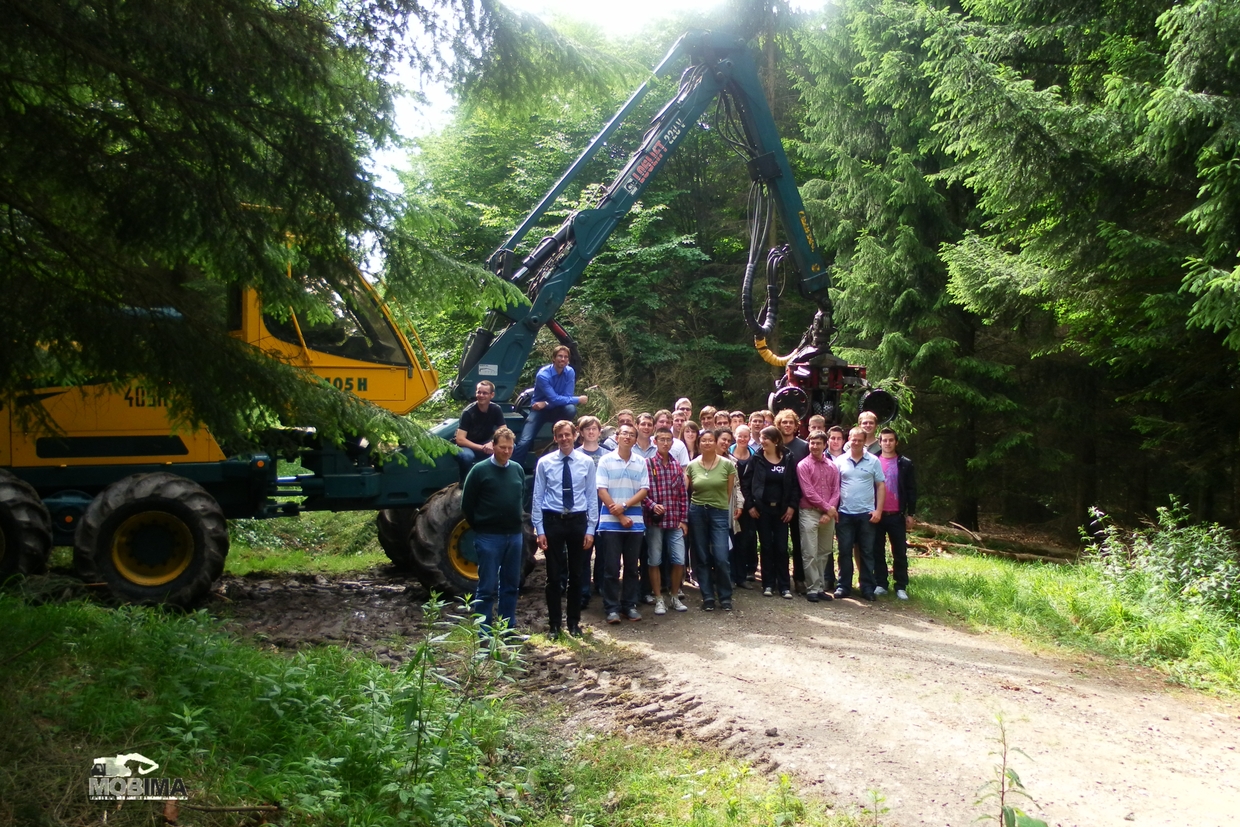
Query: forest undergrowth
pixel 1166 596
pixel 327 735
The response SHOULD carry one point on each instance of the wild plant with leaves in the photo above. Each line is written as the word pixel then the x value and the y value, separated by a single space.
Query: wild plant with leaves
pixel 1005 789
pixel 1176 558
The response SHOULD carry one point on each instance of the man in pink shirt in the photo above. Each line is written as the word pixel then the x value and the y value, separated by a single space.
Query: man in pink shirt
pixel 898 510
pixel 820 499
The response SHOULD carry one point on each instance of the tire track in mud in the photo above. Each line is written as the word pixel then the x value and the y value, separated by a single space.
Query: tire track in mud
pixel 608 688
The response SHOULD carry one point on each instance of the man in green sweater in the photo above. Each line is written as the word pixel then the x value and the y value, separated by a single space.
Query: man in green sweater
pixel 492 502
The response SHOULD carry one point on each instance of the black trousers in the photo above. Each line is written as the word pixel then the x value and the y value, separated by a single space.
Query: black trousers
pixel 744 549
pixel 566 535
pixel 773 544
pixel 620 551
pixel 891 526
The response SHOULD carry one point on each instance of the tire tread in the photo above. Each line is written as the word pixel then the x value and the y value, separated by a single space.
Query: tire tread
pixel 31 527
pixel 183 592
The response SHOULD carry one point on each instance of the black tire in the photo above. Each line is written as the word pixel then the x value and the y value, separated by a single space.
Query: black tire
pixel 436 546
pixel 153 538
pixel 25 528
pixel 394 525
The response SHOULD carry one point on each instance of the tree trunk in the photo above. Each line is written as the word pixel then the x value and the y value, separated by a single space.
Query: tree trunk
pixel 966 502
pixel 1086 464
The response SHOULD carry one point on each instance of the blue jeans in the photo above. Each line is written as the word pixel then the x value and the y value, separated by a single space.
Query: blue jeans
pixel 853 530
pixel 499 575
pixel 467 458
pixel 710 528
pixel 534 423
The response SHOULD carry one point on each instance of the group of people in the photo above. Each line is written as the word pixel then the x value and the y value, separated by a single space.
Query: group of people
pixel 667 500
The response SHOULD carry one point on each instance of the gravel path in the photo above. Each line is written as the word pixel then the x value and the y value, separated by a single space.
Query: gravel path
pixel 848 696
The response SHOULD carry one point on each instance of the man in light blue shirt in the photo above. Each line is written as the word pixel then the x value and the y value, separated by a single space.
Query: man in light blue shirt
pixel 554 398
pixel 862 491
pixel 564 511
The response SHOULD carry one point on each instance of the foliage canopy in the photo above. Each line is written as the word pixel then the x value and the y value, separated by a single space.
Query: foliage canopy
pixel 157 153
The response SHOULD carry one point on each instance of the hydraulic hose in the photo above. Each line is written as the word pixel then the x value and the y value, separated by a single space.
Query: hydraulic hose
pixel 763 323
pixel 769 356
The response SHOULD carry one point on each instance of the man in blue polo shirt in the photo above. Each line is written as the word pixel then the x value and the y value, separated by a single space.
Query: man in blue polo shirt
pixel 862 491
pixel 554 388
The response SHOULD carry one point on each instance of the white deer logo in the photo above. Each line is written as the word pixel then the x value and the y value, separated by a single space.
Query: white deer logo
pixel 117 766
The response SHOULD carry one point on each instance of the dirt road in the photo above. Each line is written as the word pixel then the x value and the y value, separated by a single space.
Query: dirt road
pixel 849 697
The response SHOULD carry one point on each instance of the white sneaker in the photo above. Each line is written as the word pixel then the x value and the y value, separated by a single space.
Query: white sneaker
pixel 767 593
pixel 676 606
pixel 879 591
pixel 660 608
pixel 901 594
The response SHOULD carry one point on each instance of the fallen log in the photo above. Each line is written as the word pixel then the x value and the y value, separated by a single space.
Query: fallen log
pixel 969 538
pixel 1024 557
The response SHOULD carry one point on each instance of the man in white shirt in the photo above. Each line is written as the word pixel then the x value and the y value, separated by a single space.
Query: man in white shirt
pixel 623 481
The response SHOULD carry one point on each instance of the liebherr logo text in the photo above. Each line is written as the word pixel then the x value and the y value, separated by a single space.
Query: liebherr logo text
pixel 654 155
pixel 112 778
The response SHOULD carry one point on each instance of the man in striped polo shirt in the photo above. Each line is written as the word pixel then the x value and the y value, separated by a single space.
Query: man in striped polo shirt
pixel 623 481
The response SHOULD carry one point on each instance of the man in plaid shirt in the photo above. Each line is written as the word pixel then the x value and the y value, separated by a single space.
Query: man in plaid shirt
pixel 667 509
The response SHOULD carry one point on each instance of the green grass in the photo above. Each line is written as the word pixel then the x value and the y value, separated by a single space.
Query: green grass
pixel 314 543
pixel 331 736
pixel 604 780
pixel 324 733
pixel 1077 607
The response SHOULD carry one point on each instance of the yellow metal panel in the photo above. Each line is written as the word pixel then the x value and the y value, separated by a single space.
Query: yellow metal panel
pixel 98 411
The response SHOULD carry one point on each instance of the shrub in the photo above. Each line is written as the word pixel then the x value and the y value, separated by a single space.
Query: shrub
pixel 1175 558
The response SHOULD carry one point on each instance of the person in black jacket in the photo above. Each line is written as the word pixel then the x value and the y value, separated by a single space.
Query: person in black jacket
pixel 771 495
pixel 788 422
pixel 898 510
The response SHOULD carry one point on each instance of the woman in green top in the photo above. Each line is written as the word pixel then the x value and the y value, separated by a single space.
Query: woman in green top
pixel 709 479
